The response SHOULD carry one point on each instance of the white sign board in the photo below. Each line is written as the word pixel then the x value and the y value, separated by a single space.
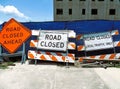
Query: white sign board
pixel 98 41
pixel 51 40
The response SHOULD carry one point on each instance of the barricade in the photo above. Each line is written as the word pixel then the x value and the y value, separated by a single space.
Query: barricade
pixel 48 54
pixel 98 54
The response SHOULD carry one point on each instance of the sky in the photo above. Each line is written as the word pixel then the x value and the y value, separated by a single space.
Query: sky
pixel 26 10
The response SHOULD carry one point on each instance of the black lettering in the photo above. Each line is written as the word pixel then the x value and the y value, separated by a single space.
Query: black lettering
pixel 100 44
pixel 99 37
pixel 47 37
pixel 51 37
pixel 89 38
pixel 13 41
pixel 55 37
pixel 108 43
pixel 42 43
pixel 57 44
pixel 61 45
pixel 49 44
pixel 13 35
pixel 13 29
pixel 53 45
pixel 59 37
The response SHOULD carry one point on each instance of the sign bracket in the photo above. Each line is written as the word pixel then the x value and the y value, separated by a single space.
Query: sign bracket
pixel 19 53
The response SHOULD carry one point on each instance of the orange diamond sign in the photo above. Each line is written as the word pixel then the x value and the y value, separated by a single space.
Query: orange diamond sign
pixel 13 35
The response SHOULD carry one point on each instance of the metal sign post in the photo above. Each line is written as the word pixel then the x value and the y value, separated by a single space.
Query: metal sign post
pixel 23 54
pixel 1 59
pixel 67 61
pixel 40 31
pixel 113 44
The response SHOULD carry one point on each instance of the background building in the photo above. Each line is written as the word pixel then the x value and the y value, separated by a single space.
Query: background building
pixel 69 10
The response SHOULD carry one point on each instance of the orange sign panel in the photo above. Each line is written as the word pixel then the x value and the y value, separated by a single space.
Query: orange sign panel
pixel 13 35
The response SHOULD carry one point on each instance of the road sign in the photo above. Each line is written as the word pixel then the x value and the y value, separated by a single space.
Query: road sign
pixel 98 41
pixel 13 35
pixel 52 40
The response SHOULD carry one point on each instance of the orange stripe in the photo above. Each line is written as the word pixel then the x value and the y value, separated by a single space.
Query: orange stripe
pixel 59 54
pixel 70 55
pixel 42 57
pixel 80 47
pixel 63 58
pixel 48 53
pixel 81 59
pixel 38 52
pixel 31 55
pixel 73 45
pixel 53 58
pixel 32 44
pixel 112 56
pixel 102 57
pixel 35 40
pixel 73 58
pixel 118 44
pixel 116 33
pixel 92 56
pixel 79 36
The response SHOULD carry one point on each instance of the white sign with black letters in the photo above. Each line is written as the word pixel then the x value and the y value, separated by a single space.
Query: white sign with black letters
pixel 51 40
pixel 98 41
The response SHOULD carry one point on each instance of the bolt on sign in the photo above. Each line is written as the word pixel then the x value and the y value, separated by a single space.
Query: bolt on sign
pixel 13 35
pixel 52 40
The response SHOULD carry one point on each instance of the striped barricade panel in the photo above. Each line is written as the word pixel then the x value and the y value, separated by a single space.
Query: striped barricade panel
pixel 80 48
pixel 117 43
pixel 102 57
pixel 62 56
pixel 51 56
pixel 114 32
pixel 71 33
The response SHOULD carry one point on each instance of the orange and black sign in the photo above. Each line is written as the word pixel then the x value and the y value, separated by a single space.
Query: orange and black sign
pixel 13 35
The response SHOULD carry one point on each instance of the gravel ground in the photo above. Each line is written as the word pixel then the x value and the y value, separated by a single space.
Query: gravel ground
pixel 50 77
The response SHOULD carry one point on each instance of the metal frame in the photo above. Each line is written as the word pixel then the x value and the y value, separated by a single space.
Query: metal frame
pixel 19 53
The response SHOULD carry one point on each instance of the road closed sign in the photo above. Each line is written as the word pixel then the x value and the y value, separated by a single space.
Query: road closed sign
pixel 13 35
pixel 53 40
pixel 98 41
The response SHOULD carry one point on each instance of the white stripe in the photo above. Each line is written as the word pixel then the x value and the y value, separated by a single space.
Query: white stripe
pixel 71 33
pixel 118 55
pixel 113 32
pixel 69 59
pixel 97 57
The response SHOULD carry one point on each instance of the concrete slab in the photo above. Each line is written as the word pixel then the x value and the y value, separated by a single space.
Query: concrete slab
pixel 111 76
pixel 49 77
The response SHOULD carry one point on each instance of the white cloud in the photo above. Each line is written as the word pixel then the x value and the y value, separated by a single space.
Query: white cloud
pixel 1 22
pixel 9 9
